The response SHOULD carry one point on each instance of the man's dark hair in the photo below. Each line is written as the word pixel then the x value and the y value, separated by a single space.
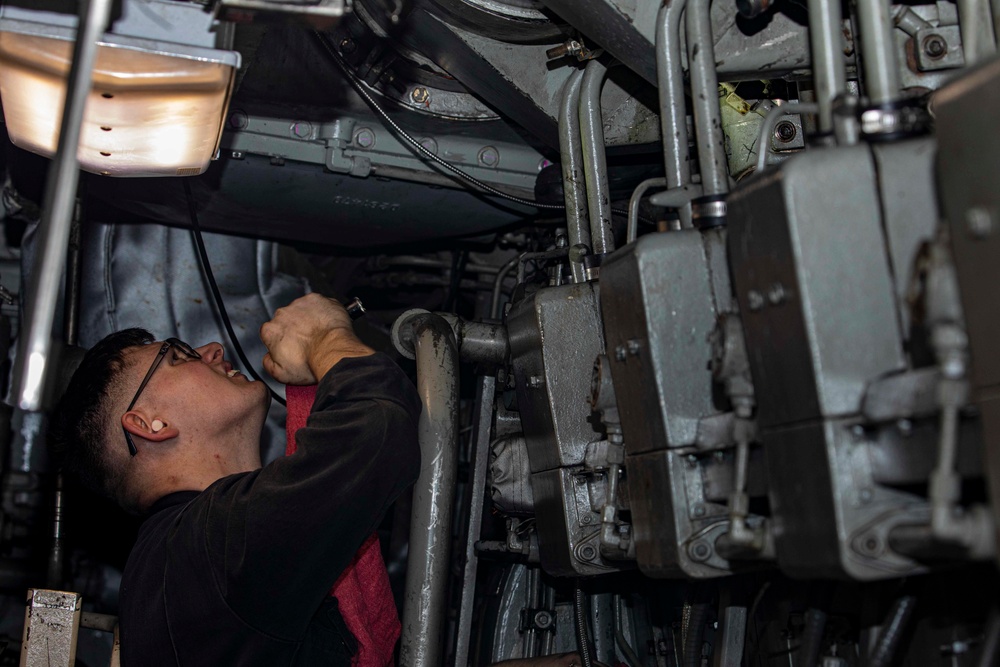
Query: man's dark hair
pixel 82 432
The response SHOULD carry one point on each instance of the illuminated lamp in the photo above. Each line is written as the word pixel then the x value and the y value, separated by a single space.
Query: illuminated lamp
pixel 155 108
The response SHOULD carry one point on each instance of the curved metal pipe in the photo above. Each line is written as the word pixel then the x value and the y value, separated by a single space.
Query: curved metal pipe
pixel 633 205
pixel 571 156
pixel 892 632
pixel 670 81
pixel 595 161
pixel 705 93
pixel 424 604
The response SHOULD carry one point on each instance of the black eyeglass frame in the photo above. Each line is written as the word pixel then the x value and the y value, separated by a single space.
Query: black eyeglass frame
pixel 167 344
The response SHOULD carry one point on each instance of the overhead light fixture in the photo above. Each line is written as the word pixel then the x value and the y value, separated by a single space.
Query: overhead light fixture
pixel 159 95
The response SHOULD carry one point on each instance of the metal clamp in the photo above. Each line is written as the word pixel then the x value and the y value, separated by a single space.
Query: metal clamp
pixel 907 118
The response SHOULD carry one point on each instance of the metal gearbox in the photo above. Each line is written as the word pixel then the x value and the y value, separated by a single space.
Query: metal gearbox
pixel 555 337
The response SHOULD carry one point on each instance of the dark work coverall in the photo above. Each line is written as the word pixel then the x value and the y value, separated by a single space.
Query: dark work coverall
pixel 239 574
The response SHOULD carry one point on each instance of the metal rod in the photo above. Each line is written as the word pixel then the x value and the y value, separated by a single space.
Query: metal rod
pixel 829 74
pixel 670 82
pixel 425 600
pixel 60 196
pixel 595 161
pixel 705 93
pixel 480 462
pixel 571 156
pixel 975 21
pixel 633 205
pixel 878 51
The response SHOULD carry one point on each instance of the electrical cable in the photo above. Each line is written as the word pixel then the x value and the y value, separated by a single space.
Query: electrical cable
pixel 216 294
pixel 356 83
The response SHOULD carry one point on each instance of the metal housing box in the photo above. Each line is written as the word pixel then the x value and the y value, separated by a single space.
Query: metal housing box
pixel 555 337
pixel 811 274
pixel 656 297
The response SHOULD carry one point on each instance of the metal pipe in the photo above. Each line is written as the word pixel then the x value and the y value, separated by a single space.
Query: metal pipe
pixel 498 286
pixel 425 601
pixel 60 196
pixel 829 74
pixel 633 205
pixel 892 632
pixel 878 51
pixel 975 21
pixel 619 622
pixel 595 161
pixel 705 94
pixel 571 156
pixel 670 82
pixel 477 490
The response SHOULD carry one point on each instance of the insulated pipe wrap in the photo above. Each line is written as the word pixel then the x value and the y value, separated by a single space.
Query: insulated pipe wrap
pixel 425 600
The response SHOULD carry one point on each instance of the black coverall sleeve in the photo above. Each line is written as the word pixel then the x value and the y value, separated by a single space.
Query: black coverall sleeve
pixel 280 537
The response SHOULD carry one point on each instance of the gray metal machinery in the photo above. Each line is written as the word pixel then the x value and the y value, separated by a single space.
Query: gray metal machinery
pixel 749 414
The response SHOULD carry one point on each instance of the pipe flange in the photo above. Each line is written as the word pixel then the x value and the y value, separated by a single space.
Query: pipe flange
pixel 402 332
pixel 709 211
pixel 899 120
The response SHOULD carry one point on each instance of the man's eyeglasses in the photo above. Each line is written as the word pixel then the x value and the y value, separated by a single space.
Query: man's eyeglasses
pixel 185 349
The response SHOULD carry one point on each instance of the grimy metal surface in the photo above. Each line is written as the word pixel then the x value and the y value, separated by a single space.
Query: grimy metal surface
pixel 813 283
pixel 968 175
pixel 51 627
pixel 425 599
pixel 555 336
pixel 835 520
pixel 656 300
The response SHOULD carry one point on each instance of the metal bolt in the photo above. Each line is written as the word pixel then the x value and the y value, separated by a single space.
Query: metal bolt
pixel 699 510
pixel 543 619
pixel 865 495
pixel 420 95
pixel 719 456
pixel 238 119
pixel 785 131
pixel 692 460
pixel 699 550
pixel 347 45
pixel 236 155
pixel 588 552
pixel 302 129
pixel 489 156
pixel 935 47
pixel 429 144
pixel 858 431
pixel 535 381
pixel 586 519
pixel 979 222
pixel 755 300
pixel 364 137
pixel 905 427
pixel 634 346
pixel 620 353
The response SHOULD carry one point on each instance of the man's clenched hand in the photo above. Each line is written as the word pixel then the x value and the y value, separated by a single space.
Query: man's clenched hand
pixel 307 338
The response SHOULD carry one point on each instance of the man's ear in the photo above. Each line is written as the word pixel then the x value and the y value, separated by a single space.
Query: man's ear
pixel 154 430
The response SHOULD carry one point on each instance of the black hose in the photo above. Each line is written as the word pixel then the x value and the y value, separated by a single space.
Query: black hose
pixel 694 638
pixel 812 637
pixel 582 632
pixel 216 294
pixel 892 631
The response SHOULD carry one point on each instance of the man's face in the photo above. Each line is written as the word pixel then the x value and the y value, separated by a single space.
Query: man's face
pixel 202 395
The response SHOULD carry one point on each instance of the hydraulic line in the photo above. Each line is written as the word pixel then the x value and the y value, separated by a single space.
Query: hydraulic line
pixel 695 635
pixel 217 295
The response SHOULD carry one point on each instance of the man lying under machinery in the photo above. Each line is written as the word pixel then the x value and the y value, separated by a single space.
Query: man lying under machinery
pixel 698 297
